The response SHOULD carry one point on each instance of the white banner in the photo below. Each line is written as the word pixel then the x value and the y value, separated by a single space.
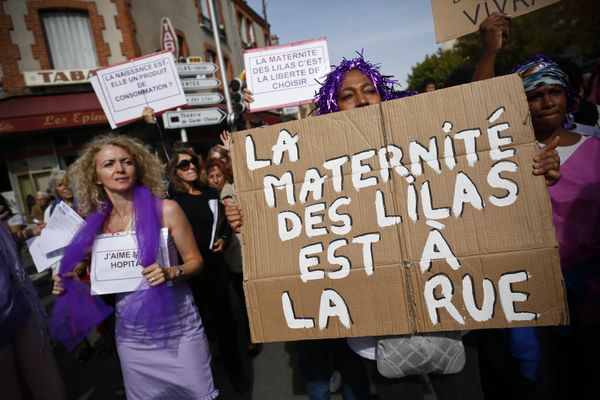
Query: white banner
pixel 287 75
pixel 125 89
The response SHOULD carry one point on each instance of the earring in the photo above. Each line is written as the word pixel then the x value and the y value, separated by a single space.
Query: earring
pixel 569 122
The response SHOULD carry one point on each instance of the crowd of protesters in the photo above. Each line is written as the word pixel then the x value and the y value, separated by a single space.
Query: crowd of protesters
pixel 161 334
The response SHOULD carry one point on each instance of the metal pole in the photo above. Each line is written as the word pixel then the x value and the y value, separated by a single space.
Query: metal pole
pixel 264 10
pixel 182 131
pixel 215 28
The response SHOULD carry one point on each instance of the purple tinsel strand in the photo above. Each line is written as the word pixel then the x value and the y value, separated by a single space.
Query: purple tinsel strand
pixel 157 318
pixel 326 97
pixel 77 312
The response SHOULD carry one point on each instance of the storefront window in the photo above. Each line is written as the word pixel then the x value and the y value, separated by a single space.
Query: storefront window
pixel 69 38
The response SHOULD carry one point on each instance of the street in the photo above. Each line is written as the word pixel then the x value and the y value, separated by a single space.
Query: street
pixel 273 373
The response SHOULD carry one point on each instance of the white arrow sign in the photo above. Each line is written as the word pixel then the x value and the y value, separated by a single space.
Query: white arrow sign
pixel 189 118
pixel 191 69
pixel 203 99
pixel 196 84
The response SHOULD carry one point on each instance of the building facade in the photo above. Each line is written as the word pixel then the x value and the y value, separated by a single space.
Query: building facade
pixel 48 109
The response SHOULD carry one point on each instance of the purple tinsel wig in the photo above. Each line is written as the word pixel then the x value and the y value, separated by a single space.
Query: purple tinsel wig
pixel 326 99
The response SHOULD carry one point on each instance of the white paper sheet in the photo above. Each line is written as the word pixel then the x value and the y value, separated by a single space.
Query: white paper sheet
pixel 102 100
pixel 42 260
pixel 115 267
pixel 214 207
pixel 60 228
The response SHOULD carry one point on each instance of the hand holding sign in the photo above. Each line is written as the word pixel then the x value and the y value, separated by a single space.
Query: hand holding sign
pixel 547 163
pixel 155 274
pixel 234 215
pixel 492 30
pixel 148 115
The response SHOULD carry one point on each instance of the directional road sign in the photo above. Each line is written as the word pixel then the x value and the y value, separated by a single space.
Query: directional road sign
pixel 192 69
pixel 189 118
pixel 198 84
pixel 203 99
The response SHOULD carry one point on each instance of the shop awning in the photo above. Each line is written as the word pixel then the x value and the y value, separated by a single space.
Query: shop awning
pixel 36 113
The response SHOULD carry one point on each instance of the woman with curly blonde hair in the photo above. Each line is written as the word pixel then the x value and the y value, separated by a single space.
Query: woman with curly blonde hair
pixel 149 170
pixel 160 337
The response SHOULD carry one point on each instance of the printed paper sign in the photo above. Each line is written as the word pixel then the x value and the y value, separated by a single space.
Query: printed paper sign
pixel 115 262
pixel 125 89
pixel 41 259
pixel 455 18
pixel 286 75
pixel 414 215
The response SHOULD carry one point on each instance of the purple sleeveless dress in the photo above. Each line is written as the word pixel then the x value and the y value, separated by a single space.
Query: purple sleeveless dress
pixel 179 370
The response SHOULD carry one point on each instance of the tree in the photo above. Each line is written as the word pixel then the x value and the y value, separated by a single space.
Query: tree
pixel 567 29
pixel 436 66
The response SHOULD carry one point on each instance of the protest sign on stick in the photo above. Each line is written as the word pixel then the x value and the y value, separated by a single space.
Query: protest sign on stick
pixel 414 215
pixel 125 89
pixel 286 75
pixel 455 18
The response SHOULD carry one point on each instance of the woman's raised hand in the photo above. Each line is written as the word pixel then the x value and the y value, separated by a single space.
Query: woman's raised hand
pixel 225 139
pixel 492 30
pixel 58 287
pixel 234 215
pixel 218 246
pixel 547 162
pixel 148 115
pixel 247 96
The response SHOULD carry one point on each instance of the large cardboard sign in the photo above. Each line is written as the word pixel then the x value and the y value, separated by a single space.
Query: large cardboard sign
pixel 455 18
pixel 414 215
pixel 286 75
pixel 125 89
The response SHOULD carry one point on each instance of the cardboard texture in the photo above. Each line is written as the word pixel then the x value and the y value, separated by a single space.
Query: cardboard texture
pixel 350 258
pixel 455 18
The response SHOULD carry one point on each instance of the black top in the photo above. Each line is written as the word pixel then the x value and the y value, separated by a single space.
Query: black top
pixel 201 218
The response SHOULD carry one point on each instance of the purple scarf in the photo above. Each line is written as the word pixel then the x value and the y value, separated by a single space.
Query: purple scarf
pixel 77 312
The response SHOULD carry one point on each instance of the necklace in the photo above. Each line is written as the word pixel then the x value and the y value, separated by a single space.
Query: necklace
pixel 114 224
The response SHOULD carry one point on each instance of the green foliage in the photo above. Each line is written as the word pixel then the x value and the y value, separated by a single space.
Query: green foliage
pixel 437 67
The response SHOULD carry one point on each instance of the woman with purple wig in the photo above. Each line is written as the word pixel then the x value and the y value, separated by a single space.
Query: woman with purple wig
pixel 554 363
pixel 160 338
pixel 358 83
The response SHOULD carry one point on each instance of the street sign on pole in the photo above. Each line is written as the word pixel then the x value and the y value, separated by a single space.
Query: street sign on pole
pixel 203 99
pixel 192 69
pixel 199 84
pixel 197 117
pixel 215 29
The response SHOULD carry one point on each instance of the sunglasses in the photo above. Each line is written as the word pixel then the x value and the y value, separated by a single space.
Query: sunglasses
pixel 184 165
